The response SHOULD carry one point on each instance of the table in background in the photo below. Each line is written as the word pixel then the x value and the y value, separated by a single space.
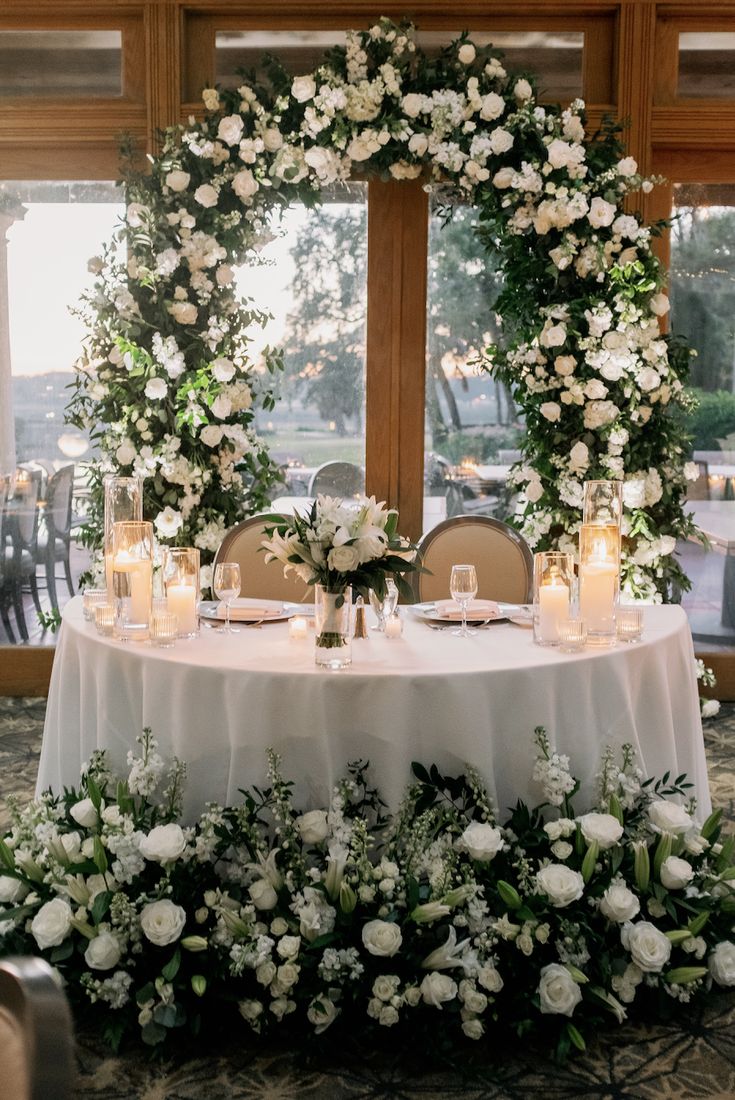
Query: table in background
pixel 218 702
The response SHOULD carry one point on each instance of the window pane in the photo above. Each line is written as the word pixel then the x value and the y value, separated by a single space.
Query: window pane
pixel 313 283
pixel 473 429
pixel 707 65
pixel 554 56
pixel 34 64
pixel 299 51
pixel 56 228
pixel 702 288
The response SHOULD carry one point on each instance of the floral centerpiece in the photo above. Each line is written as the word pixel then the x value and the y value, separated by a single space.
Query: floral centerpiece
pixel 438 918
pixel 342 547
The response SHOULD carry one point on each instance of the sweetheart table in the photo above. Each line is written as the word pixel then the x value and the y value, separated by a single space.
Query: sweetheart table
pixel 218 702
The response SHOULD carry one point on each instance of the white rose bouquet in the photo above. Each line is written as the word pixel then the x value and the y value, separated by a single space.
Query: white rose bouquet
pixel 341 543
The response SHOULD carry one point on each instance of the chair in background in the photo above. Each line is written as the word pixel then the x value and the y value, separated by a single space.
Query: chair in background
pixel 20 546
pixel 4 584
pixel 502 559
pixel 337 479
pixel 700 489
pixel 36 1036
pixel 54 540
pixel 258 578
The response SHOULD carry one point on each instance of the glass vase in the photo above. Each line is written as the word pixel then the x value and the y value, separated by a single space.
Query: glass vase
pixel 553 586
pixel 123 503
pixel 181 580
pixel 132 572
pixel 333 626
pixel 599 580
pixel 603 502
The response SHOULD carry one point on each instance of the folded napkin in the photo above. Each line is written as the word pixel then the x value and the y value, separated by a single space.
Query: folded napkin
pixel 244 610
pixel 476 609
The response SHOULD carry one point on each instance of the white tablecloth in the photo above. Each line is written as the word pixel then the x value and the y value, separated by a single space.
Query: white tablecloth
pixel 219 702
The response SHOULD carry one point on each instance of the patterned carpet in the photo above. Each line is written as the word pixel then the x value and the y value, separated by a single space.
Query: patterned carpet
pixel 690 1057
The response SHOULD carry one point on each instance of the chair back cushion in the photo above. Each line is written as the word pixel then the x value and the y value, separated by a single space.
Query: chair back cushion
pixel 501 557
pixel 58 500
pixel 14 1053
pixel 36 1035
pixel 258 578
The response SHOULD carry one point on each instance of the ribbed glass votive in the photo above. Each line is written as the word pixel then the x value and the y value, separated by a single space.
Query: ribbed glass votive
pixel 104 619
pixel 629 624
pixel 164 628
pixel 92 598
pixel 572 635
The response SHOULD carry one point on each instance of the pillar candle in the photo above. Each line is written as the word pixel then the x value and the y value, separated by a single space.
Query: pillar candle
pixel 553 608
pixel 597 582
pixel 297 628
pixel 141 584
pixel 181 600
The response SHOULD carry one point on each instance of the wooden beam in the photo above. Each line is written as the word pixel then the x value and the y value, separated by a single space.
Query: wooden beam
pixel 25 670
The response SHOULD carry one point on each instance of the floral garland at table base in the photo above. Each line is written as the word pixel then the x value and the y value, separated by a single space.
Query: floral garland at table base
pixel 168 388
pixel 436 918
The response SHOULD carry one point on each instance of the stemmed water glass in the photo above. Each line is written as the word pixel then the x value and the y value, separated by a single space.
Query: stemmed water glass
pixel 463 589
pixel 227 588
pixel 386 607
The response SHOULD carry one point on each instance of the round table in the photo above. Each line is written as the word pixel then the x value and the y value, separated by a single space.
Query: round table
pixel 218 702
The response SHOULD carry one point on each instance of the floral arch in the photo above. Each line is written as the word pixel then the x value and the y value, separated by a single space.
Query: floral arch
pixel 167 386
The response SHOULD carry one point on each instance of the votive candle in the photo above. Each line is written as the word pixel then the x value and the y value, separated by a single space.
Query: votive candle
pixel 92 598
pixel 104 619
pixel 297 628
pixel 164 628
pixel 393 626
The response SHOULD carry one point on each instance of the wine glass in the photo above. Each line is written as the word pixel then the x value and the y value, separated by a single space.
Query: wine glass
pixel 391 599
pixel 377 605
pixel 463 589
pixel 227 588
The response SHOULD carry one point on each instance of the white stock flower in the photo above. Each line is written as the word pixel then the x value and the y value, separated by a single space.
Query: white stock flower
pixel 676 873
pixel 313 826
pixel 168 522
pixel 669 817
pixel 162 922
pixel 721 963
pixel 437 989
pixel 164 843
pixel 649 948
pixel 178 180
pixel 558 992
pixel 103 952
pixel 155 389
pixel 619 904
pixel 52 923
pixel 85 813
pixel 481 841
pixel 561 884
pixel 381 938
pixel 605 829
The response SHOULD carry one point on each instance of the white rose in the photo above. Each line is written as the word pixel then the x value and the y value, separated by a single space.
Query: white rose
pixel 168 522
pixel 552 336
pixel 411 104
pixel 303 88
pixel 178 180
pixel 272 139
pixel 125 453
pixel 489 978
pixel 604 828
pixel 550 410
pixel 162 922
pixel 437 989
pixel 561 885
pixel 224 275
pixel 382 938
pixel 164 843
pixel 503 178
pixel 262 894
pixel 649 379
pixel 649 948
pixel 564 365
pixel 289 947
pixel 579 457
pixel 418 144
pixel 601 213
pixel 184 313
pixel 493 106
pixel 12 890
pixel 562 849
pixel 211 436
pixel 265 973
pixel 103 952
pixel 321 1013
pixel 619 903
pixel 52 923
pixel 206 195
pixel 84 813
pixel 466 54
pixel 223 370
pixel 343 558
pixel 313 826
pixel 522 90
pixel 501 141
pixel 595 390
pixel 244 184
pixel 558 992
pixel 710 708
pixel 482 842
pixel 627 166
pixel 660 304
pixel 676 873
pixel 230 129
pixel 669 817
pixel 473 1028
pixel 210 98
pixel 598 414
pixel 721 963
pixel 155 389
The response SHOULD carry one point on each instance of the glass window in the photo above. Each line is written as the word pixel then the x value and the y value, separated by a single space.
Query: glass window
pixel 312 281
pixel 51 231
pixel 473 429
pixel 35 64
pixel 707 65
pixel 299 51
pixel 702 289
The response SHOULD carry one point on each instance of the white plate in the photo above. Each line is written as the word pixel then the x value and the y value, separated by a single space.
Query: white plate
pixel 429 611
pixel 208 609
pixel 522 614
